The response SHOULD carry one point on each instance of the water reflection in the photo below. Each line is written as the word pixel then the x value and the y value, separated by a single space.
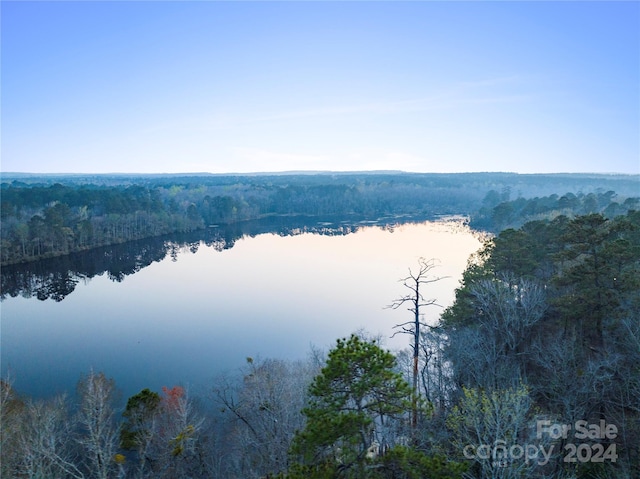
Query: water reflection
pixel 200 304
pixel 56 278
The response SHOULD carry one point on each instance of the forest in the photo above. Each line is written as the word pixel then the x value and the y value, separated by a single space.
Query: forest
pixel 57 277
pixel 46 216
pixel 532 372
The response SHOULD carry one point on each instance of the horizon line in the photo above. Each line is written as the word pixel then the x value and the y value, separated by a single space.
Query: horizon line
pixel 305 172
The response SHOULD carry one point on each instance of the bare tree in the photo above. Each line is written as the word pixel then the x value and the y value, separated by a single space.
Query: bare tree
pixel 494 351
pixel 434 372
pixel 264 407
pixel 173 450
pixel 11 412
pixel 99 436
pixel 45 442
pixel 415 283
pixel 510 306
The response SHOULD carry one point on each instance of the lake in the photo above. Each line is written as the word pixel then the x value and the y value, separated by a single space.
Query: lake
pixel 181 310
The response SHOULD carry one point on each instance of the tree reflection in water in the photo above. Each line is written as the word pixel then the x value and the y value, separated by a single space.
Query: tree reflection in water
pixel 56 278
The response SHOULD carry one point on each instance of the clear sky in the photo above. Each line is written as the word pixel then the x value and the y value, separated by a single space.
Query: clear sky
pixel 207 86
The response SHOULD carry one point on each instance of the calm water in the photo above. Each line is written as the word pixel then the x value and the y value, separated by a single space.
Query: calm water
pixel 186 316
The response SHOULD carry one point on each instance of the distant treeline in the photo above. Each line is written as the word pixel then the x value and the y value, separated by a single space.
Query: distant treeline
pixel 48 216
pixel 497 215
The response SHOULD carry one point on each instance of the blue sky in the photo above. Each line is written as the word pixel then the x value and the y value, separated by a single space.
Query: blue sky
pixel 274 86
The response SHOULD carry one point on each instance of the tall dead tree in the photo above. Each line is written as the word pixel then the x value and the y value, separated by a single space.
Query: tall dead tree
pixel 415 283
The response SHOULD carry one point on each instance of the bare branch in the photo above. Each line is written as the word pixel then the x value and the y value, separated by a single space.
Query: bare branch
pixel 415 299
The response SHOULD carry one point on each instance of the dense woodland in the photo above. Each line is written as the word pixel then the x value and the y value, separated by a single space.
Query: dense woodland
pixel 497 214
pixel 543 338
pixel 55 215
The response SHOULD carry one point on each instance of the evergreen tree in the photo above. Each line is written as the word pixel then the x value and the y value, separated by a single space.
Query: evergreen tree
pixel 351 402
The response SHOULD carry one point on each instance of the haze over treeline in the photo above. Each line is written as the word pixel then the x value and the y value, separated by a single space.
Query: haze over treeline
pixel 52 215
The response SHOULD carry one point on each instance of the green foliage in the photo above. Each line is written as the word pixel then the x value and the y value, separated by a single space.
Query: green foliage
pixel 403 462
pixel 599 271
pixel 323 470
pixel 399 462
pixel 514 252
pixel 138 414
pixel 588 261
pixel 499 213
pixel 357 387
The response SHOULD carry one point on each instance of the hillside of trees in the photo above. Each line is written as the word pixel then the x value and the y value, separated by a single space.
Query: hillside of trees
pixel 533 372
pixel 496 215
pixel 54 215
pixel 547 321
